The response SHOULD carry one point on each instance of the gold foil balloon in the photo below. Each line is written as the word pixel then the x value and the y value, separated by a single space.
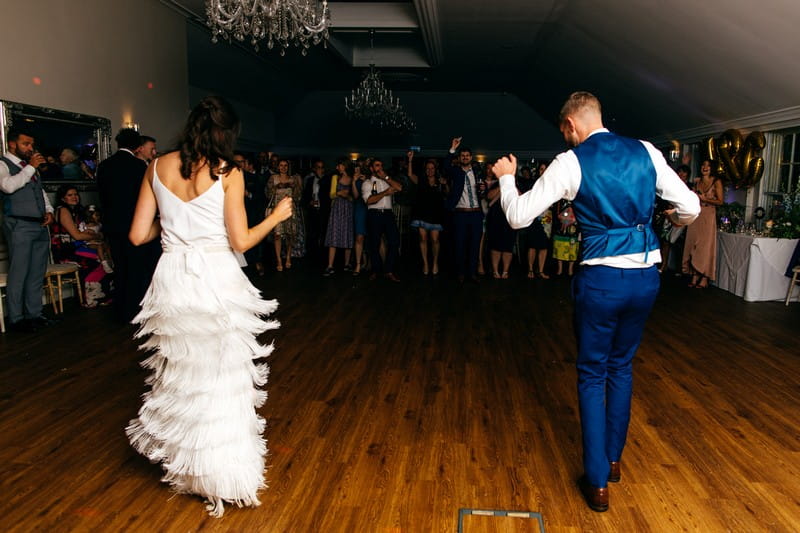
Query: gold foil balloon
pixel 752 164
pixel 737 160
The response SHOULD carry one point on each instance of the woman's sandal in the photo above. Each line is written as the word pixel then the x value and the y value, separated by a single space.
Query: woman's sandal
pixel 543 275
pixel 496 275
pixel 531 275
pixel 505 275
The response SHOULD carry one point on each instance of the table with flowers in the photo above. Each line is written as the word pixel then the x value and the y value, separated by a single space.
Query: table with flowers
pixel 753 266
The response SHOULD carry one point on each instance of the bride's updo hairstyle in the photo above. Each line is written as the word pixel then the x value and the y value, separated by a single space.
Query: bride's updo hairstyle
pixel 210 133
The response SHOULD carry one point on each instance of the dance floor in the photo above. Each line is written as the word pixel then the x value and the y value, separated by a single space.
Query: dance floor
pixel 393 406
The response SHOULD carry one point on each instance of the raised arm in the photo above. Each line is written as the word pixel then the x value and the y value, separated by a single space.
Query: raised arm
pixel 413 177
pixel 241 237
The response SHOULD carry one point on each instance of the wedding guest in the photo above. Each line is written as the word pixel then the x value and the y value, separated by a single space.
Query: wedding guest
pixel 255 203
pixel 566 238
pixel 464 199
pixel 26 214
pixel 498 231
pixel 147 150
pixel 285 185
pixel 377 192
pixel 340 223
pixel 536 237
pixel 670 234
pixel 427 214
pixel 119 179
pixel 69 244
pixel 700 248
pixel 317 205
pixel 359 218
pixel 71 165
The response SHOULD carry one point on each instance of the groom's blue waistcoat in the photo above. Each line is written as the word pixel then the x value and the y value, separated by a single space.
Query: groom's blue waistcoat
pixel 615 200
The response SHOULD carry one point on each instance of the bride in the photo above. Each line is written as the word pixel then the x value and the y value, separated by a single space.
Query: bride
pixel 201 316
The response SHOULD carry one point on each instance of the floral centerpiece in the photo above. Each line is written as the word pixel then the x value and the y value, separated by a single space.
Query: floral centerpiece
pixel 785 223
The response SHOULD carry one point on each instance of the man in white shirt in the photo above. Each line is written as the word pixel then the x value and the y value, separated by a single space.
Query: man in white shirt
pixel 612 182
pixel 26 214
pixel 377 192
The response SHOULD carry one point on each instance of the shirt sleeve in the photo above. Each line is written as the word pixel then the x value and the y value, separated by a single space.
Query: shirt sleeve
pixel 48 207
pixel 10 184
pixel 671 188
pixel 366 190
pixel 561 180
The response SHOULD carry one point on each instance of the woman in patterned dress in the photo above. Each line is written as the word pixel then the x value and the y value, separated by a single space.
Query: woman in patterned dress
pixel 340 221
pixel 285 185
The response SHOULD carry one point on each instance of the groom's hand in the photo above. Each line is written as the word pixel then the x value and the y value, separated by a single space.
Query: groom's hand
pixel 505 165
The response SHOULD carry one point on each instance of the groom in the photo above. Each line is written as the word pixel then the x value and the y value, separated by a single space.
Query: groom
pixel 612 182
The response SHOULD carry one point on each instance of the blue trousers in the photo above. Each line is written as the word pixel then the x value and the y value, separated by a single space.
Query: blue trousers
pixel 611 308
pixel 467 230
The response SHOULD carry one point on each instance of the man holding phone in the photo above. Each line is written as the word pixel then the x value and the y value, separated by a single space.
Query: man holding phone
pixel 26 214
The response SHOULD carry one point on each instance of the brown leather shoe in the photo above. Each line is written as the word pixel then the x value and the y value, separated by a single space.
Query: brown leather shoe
pixel 596 497
pixel 615 474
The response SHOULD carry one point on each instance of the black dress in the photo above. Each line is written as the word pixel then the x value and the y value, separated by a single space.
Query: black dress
pixel 501 236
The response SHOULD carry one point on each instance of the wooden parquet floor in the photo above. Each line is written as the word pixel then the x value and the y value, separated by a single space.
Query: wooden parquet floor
pixel 392 406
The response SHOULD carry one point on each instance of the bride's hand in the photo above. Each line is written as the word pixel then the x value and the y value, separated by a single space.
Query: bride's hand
pixel 283 210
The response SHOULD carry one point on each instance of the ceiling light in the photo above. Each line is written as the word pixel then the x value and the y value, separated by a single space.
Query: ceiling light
pixel 282 22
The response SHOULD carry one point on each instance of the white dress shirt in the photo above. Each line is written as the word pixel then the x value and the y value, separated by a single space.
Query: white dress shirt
pixel 10 184
pixel 380 185
pixel 562 179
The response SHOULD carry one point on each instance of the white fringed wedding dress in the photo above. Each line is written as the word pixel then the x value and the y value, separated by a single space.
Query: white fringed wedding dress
pixel 202 315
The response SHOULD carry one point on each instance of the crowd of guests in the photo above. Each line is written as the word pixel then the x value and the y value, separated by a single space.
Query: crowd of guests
pixel 353 217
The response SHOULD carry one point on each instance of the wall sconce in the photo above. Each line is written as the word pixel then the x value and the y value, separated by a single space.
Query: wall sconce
pixel 675 151
pixel 480 158
pixel 354 156
pixel 131 125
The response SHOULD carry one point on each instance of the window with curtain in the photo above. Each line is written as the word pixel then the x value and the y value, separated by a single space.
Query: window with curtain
pixel 789 166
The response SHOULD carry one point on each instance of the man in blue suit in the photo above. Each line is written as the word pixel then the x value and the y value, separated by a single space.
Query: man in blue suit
pixel 612 182
pixel 464 200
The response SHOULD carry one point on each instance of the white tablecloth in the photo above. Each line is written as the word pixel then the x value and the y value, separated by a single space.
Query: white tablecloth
pixel 753 267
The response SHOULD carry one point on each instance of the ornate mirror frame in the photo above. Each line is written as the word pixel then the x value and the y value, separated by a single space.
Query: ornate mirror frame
pixel 97 134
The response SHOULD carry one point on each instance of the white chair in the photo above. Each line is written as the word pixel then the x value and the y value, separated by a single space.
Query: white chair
pixel 3 282
pixel 795 281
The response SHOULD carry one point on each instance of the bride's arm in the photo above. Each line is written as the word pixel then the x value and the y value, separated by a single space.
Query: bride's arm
pixel 145 226
pixel 241 237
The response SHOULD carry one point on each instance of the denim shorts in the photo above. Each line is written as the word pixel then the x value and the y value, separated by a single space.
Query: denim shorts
pixel 426 225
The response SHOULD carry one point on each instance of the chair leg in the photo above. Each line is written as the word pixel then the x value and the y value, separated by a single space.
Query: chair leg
pixel 78 287
pixel 51 294
pixel 60 295
pixel 791 286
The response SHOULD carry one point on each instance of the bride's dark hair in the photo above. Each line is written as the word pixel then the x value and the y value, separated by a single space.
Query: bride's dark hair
pixel 210 133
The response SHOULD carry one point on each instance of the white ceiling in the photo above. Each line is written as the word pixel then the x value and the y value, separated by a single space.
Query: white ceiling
pixel 657 66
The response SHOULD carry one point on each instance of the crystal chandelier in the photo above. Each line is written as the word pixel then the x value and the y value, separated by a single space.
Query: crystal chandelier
pixel 373 102
pixel 281 22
